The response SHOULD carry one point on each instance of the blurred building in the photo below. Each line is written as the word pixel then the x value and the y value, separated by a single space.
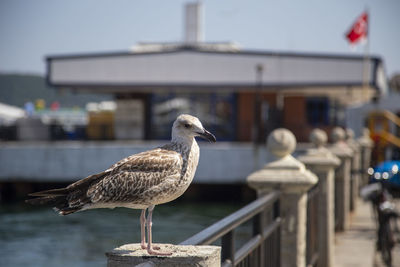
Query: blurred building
pixel 220 84
pixel 239 94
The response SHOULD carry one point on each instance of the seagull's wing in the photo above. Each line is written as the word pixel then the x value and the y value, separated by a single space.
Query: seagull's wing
pixel 137 177
pixel 131 178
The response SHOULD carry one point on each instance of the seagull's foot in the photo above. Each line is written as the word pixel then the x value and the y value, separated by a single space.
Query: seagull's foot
pixel 144 246
pixel 152 251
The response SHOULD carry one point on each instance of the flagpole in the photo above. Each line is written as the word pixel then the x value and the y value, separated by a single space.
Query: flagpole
pixel 366 61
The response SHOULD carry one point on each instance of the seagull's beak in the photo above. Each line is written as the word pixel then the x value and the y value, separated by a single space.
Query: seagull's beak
pixel 207 135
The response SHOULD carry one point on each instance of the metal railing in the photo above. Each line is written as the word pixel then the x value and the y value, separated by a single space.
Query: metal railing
pixel 263 247
pixel 312 226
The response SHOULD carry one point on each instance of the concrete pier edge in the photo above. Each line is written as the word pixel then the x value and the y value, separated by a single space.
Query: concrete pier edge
pixel 133 255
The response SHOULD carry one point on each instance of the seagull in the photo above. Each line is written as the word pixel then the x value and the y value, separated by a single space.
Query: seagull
pixel 139 181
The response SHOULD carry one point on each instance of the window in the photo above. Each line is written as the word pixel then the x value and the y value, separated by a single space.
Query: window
pixel 317 110
pixel 215 110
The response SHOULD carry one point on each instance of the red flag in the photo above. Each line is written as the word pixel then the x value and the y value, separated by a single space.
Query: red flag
pixel 359 30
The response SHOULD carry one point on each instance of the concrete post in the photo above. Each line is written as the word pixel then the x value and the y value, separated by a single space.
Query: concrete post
pixel 355 168
pixel 285 173
pixel 134 255
pixel 366 145
pixel 322 162
pixel 342 178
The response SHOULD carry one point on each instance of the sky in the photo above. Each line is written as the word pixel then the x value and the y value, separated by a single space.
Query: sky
pixel 30 30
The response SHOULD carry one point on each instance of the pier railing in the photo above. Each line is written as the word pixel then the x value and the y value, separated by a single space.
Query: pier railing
pixel 292 221
pixel 263 247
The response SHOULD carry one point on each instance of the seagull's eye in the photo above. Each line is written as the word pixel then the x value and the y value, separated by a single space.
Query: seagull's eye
pixel 187 125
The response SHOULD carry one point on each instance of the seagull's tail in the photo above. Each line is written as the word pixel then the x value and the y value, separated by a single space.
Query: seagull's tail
pixel 51 192
pixel 70 199
pixel 58 198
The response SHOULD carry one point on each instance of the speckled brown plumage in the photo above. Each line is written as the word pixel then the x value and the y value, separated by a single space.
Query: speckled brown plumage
pixel 148 178
pixel 140 181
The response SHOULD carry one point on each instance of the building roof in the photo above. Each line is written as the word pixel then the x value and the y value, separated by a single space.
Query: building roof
pixel 211 66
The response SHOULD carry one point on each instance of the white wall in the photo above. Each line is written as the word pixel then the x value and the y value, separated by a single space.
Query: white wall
pixel 70 161
pixel 209 68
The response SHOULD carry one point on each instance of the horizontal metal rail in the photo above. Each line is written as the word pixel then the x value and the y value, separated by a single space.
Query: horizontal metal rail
pixel 264 214
pixel 253 243
pixel 222 227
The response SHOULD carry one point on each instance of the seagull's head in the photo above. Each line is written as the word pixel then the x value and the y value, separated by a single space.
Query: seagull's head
pixel 187 126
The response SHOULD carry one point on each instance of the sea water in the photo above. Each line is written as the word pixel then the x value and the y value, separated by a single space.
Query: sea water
pixel 38 236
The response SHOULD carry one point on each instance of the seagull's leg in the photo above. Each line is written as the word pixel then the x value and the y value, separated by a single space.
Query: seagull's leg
pixel 142 229
pixel 150 249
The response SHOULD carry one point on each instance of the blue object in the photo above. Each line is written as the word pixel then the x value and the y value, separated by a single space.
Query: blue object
pixel 388 171
pixel 29 108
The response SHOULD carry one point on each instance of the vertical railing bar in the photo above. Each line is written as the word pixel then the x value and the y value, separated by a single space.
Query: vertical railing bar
pixel 312 227
pixel 257 230
pixel 279 246
pixel 228 247
pixel 263 223
pixel 227 263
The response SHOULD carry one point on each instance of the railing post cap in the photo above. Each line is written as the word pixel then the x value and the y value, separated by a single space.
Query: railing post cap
pixel 353 144
pixel 319 156
pixel 366 133
pixel 365 139
pixel 349 134
pixel 284 172
pixel 339 147
pixel 338 134
pixel 318 137
pixel 281 142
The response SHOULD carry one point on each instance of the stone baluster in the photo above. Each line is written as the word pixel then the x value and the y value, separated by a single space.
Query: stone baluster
pixel 322 162
pixel 342 178
pixel 355 168
pixel 283 172
pixel 366 145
